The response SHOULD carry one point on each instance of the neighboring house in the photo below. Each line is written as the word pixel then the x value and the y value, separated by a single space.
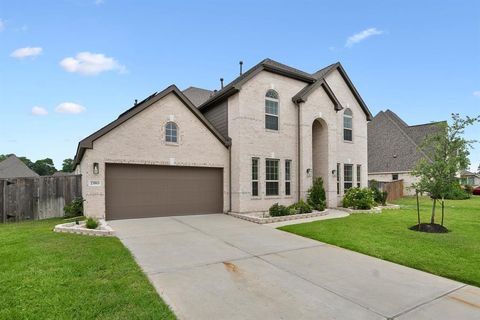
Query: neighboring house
pixel 259 140
pixel 12 167
pixel 394 148
pixel 469 178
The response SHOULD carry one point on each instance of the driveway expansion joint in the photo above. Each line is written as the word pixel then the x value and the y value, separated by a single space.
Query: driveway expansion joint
pixel 429 301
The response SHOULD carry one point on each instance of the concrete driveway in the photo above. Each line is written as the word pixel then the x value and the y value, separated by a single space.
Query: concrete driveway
pixel 220 267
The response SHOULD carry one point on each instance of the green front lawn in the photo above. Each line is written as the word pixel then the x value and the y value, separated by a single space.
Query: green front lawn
pixel 454 255
pixel 47 275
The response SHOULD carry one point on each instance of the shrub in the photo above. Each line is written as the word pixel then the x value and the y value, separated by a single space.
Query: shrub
pixel 377 194
pixel 384 198
pixel 277 210
pixel 316 195
pixel 359 198
pixel 457 193
pixel 300 207
pixel 91 223
pixel 468 189
pixel 74 208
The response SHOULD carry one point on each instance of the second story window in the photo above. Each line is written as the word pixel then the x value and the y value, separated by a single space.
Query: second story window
pixel 271 110
pixel 171 132
pixel 348 125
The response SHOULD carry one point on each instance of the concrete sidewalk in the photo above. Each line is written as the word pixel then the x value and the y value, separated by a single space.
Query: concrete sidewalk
pixel 219 267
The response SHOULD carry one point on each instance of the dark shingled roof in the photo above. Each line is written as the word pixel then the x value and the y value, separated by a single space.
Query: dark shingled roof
pixel 393 145
pixel 197 95
pixel 12 167
pixel 312 81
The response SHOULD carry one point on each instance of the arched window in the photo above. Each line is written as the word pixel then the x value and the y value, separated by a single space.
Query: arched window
pixel 171 132
pixel 348 125
pixel 271 110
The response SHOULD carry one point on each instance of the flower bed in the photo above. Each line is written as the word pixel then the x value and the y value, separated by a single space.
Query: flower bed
pixel 103 229
pixel 261 218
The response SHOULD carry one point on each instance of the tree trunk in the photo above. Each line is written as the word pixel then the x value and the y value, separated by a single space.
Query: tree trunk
pixel 432 221
pixel 418 210
pixel 443 210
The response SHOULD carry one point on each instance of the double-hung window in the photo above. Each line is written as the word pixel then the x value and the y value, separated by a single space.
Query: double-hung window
pixel 288 177
pixel 348 125
pixel 359 175
pixel 271 177
pixel 338 178
pixel 347 176
pixel 255 177
pixel 271 110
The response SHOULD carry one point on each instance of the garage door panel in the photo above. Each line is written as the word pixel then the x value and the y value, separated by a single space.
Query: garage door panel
pixel 138 191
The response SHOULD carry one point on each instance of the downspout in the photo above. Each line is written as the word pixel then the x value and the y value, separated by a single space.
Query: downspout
pixel 298 150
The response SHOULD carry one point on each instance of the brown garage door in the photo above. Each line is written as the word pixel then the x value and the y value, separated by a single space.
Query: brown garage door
pixel 140 191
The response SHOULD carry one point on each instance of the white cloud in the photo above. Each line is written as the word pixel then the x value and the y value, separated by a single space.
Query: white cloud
pixel 70 107
pixel 362 35
pixel 39 111
pixel 476 93
pixel 99 2
pixel 2 25
pixel 91 64
pixel 26 52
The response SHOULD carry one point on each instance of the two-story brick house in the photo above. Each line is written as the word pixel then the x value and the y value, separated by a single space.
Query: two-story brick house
pixel 261 139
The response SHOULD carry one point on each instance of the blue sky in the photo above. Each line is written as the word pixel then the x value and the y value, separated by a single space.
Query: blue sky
pixel 84 62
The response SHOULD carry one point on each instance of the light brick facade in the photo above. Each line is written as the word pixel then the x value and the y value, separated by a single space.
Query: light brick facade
pixel 140 140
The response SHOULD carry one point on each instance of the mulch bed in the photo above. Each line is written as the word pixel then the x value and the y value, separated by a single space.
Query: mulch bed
pixel 429 227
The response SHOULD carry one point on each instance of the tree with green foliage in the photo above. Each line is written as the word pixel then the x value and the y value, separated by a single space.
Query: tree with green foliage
pixel 316 195
pixel 44 167
pixel 67 165
pixel 448 152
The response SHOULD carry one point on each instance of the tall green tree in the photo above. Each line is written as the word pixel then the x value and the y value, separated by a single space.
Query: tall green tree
pixel 44 167
pixel 448 152
pixel 67 165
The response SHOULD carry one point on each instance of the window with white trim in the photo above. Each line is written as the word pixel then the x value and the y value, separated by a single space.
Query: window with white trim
pixel 171 132
pixel 288 177
pixel 347 176
pixel 359 175
pixel 255 177
pixel 271 177
pixel 271 110
pixel 348 125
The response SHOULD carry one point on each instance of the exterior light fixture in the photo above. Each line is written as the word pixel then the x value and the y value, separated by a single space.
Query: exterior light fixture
pixel 309 172
pixel 334 172
pixel 96 168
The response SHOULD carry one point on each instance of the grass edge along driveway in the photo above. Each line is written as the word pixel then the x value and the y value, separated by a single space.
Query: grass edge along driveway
pixel 48 275
pixel 454 255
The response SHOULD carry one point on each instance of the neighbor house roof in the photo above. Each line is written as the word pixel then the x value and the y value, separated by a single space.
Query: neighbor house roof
pixel 12 167
pixel 312 80
pixel 393 145
pixel 87 143
pixel 466 173
pixel 197 95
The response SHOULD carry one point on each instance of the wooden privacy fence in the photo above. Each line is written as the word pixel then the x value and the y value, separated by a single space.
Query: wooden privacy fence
pixel 37 198
pixel 394 189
